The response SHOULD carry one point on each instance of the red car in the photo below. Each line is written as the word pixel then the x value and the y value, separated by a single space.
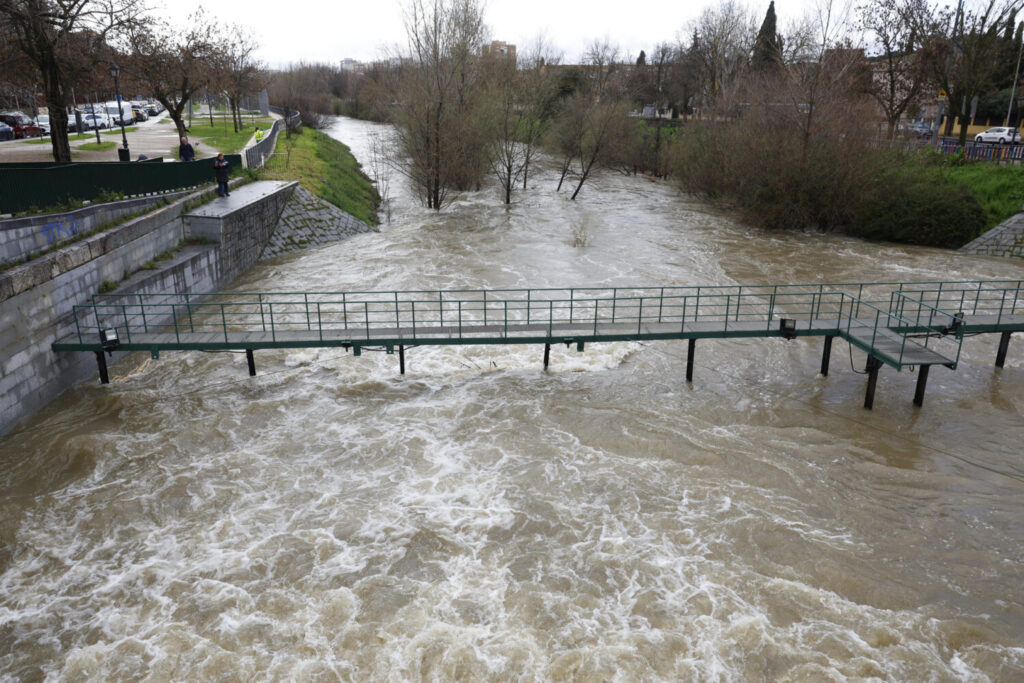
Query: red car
pixel 22 125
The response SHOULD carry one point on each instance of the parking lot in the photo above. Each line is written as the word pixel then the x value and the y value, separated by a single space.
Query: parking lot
pixel 153 138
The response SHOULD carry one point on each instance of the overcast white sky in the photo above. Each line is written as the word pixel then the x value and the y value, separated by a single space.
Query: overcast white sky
pixel 330 30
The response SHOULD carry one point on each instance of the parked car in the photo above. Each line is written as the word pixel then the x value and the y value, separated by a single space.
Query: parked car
pixel 43 122
pixel 152 109
pixel 22 125
pixel 139 115
pixel 6 132
pixel 92 121
pixel 116 113
pixel 920 130
pixel 999 135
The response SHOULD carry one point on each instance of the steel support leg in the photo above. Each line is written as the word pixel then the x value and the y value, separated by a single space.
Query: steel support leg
pixel 252 362
pixel 690 349
pixel 873 365
pixel 922 381
pixel 826 355
pixel 101 360
pixel 547 355
pixel 401 358
pixel 1004 346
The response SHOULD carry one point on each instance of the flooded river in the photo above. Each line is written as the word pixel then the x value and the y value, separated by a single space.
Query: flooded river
pixel 482 519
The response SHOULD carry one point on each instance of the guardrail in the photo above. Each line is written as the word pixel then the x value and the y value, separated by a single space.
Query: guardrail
pixel 257 155
pixel 971 150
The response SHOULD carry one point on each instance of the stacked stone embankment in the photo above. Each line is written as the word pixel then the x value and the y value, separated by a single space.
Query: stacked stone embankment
pixel 1006 240
pixel 309 221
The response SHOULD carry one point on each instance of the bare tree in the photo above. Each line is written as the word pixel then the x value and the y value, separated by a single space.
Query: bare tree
pixel 505 152
pixel 537 97
pixel 724 36
pixel 961 48
pixel 593 119
pixel 175 64
pixel 64 40
pixel 898 72
pixel 435 98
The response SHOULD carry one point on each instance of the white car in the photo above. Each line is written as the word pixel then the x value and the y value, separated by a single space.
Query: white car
pixel 43 121
pixel 1000 135
pixel 93 121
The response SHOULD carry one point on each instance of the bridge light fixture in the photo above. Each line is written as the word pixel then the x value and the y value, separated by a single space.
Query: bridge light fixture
pixel 109 340
pixel 787 328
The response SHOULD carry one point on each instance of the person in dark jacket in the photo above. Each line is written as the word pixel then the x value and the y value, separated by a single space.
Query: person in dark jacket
pixel 185 151
pixel 220 168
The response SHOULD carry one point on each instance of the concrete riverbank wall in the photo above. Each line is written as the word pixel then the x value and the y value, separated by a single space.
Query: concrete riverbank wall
pixel 152 253
pixel 1006 240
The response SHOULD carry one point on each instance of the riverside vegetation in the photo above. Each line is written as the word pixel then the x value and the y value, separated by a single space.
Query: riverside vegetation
pixel 779 126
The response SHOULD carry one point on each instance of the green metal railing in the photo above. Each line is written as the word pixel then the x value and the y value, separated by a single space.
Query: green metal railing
pixel 24 186
pixel 896 322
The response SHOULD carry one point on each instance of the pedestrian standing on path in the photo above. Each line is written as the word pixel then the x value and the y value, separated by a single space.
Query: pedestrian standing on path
pixel 220 168
pixel 185 151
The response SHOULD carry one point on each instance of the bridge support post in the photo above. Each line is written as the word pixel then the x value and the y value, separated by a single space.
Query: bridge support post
pixel 873 366
pixel 1004 346
pixel 401 358
pixel 547 355
pixel 252 362
pixel 922 380
pixel 690 350
pixel 826 355
pixel 101 360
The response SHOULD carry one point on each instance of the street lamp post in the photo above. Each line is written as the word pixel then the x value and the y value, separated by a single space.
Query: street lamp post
pixel 122 154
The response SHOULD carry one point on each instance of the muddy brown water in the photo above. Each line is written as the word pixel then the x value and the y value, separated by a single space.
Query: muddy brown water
pixel 481 519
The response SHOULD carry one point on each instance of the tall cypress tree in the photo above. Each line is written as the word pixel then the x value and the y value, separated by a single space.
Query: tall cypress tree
pixel 768 46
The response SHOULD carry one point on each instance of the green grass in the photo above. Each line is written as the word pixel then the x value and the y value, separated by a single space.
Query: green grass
pixel 116 130
pixel 98 146
pixel 326 168
pixel 221 135
pixel 999 189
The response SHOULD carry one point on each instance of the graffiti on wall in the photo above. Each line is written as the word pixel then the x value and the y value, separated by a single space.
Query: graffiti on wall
pixel 56 230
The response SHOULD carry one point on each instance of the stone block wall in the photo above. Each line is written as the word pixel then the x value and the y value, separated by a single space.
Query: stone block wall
pixel 20 237
pixel 308 221
pixel 1006 239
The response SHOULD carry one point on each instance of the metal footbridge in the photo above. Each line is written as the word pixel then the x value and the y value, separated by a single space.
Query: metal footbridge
pixel 908 324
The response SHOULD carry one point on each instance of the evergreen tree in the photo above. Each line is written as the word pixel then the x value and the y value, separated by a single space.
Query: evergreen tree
pixel 768 46
pixel 642 59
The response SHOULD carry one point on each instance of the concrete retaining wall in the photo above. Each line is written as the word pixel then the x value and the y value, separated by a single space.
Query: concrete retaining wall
pixel 20 237
pixel 37 298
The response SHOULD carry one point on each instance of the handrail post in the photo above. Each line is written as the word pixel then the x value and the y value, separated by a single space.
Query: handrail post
pixel 571 296
pixel 528 292
pixel 597 306
pixel 398 322
pixel 174 317
pixel 344 310
pixel 771 306
pixel 460 318
pixel 127 328
pixel 413 302
pixel 485 307
pixel 366 317
pixel 263 320
pixel 142 312
pixel 661 303
pixel 309 323
pixel 319 321
pixel 273 330
pixel 551 315
pixel 505 331
pixel 224 323
pixel 440 308
pixel 739 302
pixel 682 317
pixel 640 315
pixel 188 307
pixel 615 301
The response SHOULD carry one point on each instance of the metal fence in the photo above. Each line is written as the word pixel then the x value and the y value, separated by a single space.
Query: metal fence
pixel 972 151
pixel 37 186
pixel 257 155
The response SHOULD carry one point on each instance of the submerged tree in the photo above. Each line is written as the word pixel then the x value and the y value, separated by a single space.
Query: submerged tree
pixel 436 98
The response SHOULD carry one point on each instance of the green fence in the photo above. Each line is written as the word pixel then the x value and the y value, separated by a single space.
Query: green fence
pixel 24 186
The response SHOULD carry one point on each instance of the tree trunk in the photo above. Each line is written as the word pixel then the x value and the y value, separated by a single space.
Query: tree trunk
pixel 565 171
pixel 56 101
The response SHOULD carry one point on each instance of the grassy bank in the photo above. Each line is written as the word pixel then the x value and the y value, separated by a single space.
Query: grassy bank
pixel 999 189
pixel 326 168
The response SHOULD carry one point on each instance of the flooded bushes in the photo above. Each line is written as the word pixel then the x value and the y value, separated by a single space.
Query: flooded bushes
pixel 786 181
